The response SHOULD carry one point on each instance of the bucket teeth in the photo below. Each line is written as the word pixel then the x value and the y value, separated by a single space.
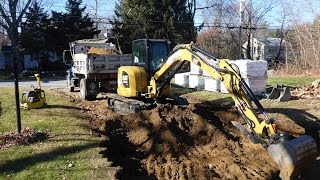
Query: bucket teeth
pixel 294 155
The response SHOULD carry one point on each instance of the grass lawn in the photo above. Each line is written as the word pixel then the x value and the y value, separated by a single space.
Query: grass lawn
pixel 70 142
pixel 4 74
pixel 292 81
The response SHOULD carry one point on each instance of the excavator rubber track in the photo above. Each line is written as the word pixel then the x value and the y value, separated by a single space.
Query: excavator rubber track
pixel 125 105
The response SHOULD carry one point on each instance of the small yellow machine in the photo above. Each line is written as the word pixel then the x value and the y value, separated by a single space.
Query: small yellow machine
pixel 35 98
pixel 142 85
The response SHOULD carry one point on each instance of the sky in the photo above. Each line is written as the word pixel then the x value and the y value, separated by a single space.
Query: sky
pixel 304 9
pixel 105 9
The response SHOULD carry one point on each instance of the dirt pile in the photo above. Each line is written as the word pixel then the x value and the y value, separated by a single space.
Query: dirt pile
pixel 182 142
pixel 308 91
pixel 27 136
pixel 197 141
pixel 102 51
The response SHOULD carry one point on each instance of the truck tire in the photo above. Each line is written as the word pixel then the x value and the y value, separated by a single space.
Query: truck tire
pixel 84 91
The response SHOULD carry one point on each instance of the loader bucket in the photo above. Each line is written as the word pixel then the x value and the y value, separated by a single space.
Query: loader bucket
pixel 285 94
pixel 279 94
pixel 294 155
pixel 274 94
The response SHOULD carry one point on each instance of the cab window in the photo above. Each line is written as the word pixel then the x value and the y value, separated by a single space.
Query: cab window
pixel 158 54
pixel 139 53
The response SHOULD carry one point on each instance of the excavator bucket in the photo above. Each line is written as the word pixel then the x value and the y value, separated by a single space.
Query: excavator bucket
pixel 274 94
pixel 279 94
pixel 294 155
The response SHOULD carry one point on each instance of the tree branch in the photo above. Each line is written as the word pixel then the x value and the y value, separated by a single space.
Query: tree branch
pixel 207 7
pixel 23 11
pixel 5 17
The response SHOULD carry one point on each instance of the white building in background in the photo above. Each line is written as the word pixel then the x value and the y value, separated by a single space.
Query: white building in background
pixel 266 49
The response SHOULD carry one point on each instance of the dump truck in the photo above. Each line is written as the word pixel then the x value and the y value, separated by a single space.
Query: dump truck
pixel 93 65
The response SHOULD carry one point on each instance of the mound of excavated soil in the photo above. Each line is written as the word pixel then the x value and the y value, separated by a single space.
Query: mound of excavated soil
pixel 102 51
pixel 175 142
pixel 180 142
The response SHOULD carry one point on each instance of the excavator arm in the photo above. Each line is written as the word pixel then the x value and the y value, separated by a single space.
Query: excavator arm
pixel 290 153
pixel 220 70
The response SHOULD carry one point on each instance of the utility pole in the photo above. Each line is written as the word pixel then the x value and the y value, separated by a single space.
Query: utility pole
pixel 96 17
pixel 241 9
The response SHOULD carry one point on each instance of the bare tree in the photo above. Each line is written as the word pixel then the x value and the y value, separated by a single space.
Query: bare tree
pixel 226 16
pixel 12 12
pixel 303 35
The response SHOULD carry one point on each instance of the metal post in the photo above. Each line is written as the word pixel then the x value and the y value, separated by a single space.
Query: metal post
pixel 287 67
pixel 16 88
pixel 240 40
pixel 242 4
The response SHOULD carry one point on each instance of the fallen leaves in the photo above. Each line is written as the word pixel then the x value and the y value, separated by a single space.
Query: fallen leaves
pixel 26 137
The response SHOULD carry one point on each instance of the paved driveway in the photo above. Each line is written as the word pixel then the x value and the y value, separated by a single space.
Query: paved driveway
pixel 52 83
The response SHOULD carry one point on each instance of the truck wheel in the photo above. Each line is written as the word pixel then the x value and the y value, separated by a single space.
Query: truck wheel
pixel 84 91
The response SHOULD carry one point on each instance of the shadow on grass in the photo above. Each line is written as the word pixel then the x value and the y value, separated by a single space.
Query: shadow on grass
pixel 20 164
pixel 62 107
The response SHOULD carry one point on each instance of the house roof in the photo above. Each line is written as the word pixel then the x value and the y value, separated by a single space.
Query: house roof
pixel 271 42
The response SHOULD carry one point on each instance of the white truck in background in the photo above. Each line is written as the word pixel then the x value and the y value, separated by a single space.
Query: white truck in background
pixel 93 66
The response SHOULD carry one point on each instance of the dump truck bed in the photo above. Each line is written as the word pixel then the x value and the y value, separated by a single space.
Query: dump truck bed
pixel 92 63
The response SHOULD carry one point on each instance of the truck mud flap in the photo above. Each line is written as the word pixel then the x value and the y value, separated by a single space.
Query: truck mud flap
pixel 92 88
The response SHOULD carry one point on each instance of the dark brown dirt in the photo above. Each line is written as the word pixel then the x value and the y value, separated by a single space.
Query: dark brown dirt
pixel 179 142
pixel 196 141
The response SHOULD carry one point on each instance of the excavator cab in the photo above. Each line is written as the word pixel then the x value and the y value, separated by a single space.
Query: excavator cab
pixel 150 53
pixel 148 56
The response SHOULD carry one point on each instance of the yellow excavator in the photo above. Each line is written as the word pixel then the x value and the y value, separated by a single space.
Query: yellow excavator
pixel 141 85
